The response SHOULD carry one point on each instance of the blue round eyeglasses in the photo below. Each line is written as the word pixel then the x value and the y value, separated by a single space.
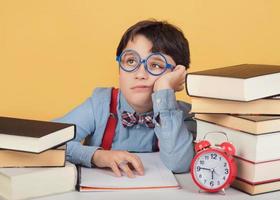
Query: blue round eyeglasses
pixel 155 64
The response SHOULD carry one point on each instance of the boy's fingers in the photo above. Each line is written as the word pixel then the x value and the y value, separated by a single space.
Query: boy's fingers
pixel 180 72
pixel 179 67
pixel 138 159
pixel 182 82
pixel 141 166
pixel 129 155
pixel 124 167
pixel 180 88
pixel 116 169
pixel 136 163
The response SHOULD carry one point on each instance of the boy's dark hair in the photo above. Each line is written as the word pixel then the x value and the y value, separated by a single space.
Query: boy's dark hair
pixel 165 37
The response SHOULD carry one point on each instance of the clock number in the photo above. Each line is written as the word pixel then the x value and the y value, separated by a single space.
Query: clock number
pixel 226 171
pixel 218 183
pixel 213 156
pixel 198 168
pixel 225 164
pixel 206 157
pixel 211 183
pixel 201 162
pixel 200 176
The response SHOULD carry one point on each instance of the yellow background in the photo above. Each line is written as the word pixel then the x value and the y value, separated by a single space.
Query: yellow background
pixel 54 52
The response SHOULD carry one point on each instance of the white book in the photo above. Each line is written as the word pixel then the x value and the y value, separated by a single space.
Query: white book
pixel 157 176
pixel 254 124
pixel 255 148
pixel 22 183
pixel 258 173
pixel 266 106
pixel 245 82
pixel 33 136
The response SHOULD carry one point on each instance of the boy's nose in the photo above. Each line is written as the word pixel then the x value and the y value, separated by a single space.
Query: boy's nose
pixel 141 72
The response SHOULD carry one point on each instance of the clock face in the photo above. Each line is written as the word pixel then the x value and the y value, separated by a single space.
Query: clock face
pixel 211 170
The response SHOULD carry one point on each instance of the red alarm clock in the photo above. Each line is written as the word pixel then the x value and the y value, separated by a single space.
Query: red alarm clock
pixel 213 168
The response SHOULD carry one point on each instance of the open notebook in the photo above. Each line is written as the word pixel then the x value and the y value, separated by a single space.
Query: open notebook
pixel 157 176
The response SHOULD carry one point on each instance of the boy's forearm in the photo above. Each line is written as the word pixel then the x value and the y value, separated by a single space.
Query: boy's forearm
pixel 175 141
pixel 79 154
pixel 82 116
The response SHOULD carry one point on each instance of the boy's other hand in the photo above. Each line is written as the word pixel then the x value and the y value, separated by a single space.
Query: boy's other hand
pixel 174 80
pixel 119 161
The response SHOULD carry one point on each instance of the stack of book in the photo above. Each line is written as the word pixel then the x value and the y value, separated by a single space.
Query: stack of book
pixel 32 158
pixel 242 101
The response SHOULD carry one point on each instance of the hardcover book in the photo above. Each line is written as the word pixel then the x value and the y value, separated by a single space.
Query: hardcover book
pixel 244 82
pixel 33 135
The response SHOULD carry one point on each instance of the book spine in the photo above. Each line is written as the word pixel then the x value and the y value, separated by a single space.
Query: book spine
pixel 78 177
pixel 186 85
pixel 65 155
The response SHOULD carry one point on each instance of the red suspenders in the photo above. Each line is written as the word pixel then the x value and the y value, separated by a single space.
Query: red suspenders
pixel 109 132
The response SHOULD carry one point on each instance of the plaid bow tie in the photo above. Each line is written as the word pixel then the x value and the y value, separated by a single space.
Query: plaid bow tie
pixel 130 119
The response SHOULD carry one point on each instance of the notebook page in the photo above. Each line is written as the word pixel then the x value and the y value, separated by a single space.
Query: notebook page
pixel 156 175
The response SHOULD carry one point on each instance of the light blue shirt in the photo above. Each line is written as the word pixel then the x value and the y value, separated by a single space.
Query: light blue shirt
pixel 174 132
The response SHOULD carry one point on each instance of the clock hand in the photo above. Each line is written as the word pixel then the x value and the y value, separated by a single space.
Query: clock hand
pixel 216 171
pixel 212 173
pixel 205 168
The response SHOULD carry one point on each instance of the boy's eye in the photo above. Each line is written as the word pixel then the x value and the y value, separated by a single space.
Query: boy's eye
pixel 156 63
pixel 156 66
pixel 130 61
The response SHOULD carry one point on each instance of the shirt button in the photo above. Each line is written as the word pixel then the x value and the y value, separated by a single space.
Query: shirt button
pixel 137 126
pixel 158 101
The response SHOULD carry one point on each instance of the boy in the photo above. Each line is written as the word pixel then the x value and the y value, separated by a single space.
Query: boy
pixel 153 57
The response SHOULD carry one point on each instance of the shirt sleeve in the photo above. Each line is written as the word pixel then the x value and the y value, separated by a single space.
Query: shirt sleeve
pixel 82 116
pixel 173 131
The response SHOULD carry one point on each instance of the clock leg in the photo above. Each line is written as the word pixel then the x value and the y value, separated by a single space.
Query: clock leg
pixel 200 191
pixel 222 192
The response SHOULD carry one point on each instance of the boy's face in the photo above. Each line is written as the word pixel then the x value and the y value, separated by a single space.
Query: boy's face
pixel 137 86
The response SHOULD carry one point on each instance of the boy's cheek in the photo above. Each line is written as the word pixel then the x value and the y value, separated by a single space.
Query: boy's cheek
pixel 123 79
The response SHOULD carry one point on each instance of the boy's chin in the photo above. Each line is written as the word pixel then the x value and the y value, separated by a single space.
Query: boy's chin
pixel 144 96
pixel 140 98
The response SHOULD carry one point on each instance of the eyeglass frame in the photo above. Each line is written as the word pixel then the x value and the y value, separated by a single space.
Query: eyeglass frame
pixel 144 61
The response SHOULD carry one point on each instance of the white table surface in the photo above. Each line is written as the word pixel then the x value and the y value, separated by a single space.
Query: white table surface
pixel 189 191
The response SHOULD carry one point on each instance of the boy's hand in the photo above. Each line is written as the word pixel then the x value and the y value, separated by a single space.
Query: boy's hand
pixel 118 161
pixel 174 80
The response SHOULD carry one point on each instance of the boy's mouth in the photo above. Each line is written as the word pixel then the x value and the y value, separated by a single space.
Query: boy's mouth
pixel 141 88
